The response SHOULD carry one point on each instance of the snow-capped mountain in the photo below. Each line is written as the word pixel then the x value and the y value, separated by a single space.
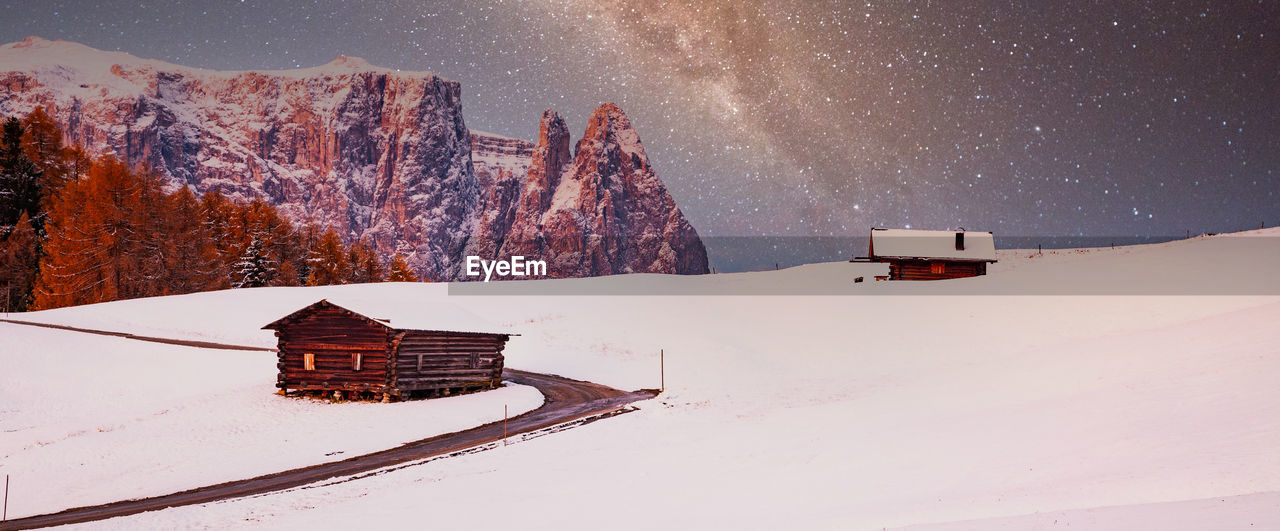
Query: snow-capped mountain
pixel 376 153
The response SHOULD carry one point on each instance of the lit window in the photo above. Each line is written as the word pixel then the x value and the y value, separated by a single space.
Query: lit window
pixel 938 268
pixel 357 361
pixel 309 361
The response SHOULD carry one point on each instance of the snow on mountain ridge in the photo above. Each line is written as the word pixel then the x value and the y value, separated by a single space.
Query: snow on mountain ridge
pixel 40 52
pixel 371 152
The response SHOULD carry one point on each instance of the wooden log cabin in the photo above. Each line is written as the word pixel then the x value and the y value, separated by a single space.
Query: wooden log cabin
pixel 932 254
pixel 325 347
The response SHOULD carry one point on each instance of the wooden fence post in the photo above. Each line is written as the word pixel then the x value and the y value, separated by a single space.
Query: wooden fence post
pixel 5 516
pixel 504 424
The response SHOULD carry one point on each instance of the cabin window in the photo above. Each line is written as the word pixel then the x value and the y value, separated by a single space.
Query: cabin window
pixel 309 361
pixel 938 268
pixel 959 241
pixel 357 360
pixel 475 360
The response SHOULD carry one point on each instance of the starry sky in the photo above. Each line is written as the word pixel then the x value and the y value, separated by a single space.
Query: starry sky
pixel 821 118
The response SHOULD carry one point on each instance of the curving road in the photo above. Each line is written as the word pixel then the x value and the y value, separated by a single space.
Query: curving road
pixel 566 400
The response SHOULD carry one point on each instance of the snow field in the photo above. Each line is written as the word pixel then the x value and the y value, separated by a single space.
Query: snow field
pixel 955 407
pixel 89 419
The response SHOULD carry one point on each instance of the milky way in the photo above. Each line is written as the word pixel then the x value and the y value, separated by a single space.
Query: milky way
pixel 822 118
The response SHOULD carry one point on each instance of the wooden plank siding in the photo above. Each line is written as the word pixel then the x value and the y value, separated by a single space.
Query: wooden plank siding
pixel 333 336
pixel 441 360
pixel 929 269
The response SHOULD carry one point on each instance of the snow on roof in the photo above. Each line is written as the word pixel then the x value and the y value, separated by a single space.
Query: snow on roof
pixel 433 317
pixel 907 243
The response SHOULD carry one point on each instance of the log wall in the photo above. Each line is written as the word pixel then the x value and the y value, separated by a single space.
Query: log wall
pixel 333 335
pixel 444 360
pixel 923 269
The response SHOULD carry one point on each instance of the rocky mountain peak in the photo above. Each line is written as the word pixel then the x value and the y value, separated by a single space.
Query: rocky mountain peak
pixel 373 153
pixel 550 156
pixel 609 212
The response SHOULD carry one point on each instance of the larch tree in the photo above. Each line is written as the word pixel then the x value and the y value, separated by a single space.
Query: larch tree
pixel 148 271
pixel 400 271
pixel 42 144
pixel 19 261
pixel 92 236
pixel 365 265
pixel 113 232
pixel 218 214
pixel 328 261
pixel 192 260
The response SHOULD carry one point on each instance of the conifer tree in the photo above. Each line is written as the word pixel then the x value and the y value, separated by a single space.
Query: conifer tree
pixel 400 271
pixel 147 272
pixel 42 144
pixel 328 259
pixel 299 265
pixel 114 233
pixel 365 266
pixel 193 260
pixel 92 239
pixel 19 179
pixel 255 268
pixel 19 260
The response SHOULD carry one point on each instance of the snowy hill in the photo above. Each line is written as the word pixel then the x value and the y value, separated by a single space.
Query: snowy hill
pixel 952 404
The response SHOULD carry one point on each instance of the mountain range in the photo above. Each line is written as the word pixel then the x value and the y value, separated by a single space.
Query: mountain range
pixel 374 153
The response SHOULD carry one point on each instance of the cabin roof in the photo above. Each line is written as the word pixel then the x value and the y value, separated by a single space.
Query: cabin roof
pixel 423 317
pixel 932 244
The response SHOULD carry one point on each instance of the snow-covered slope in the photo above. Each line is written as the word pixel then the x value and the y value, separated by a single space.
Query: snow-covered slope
pixel 88 419
pixel 829 412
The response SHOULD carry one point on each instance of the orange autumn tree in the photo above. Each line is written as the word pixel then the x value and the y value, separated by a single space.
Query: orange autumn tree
pixel 112 232
pixel 42 143
pixel 94 232
pixel 400 271
pixel 364 263
pixel 255 233
pixel 192 262
pixel 19 258
pixel 328 261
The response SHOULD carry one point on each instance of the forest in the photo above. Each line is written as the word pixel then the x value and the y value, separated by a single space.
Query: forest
pixel 76 229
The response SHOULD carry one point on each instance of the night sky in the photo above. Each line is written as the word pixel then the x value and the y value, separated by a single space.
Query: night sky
pixel 821 118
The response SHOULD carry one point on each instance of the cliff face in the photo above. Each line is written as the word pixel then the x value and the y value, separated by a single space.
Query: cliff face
pixel 604 211
pixel 501 165
pixel 376 154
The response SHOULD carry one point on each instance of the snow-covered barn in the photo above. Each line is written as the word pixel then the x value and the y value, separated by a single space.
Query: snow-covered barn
pixel 932 254
pixel 432 350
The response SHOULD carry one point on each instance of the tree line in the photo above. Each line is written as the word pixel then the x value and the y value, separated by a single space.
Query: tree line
pixel 78 230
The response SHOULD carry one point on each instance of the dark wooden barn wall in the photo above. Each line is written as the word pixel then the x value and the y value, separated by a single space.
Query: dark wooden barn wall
pixel 923 270
pixel 333 337
pixel 448 360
